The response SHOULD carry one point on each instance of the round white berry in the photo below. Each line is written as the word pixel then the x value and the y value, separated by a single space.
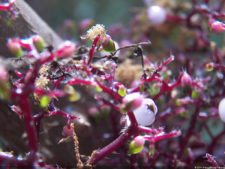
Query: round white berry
pixel 156 14
pixel 145 114
pixel 221 109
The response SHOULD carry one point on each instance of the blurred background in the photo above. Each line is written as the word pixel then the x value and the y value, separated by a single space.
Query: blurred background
pixel 106 12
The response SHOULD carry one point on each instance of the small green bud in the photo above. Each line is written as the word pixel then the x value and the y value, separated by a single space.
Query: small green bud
pixel 108 44
pixel 209 67
pixel 136 145
pixel 122 91
pixel 15 48
pixel 194 94
pixel 44 101
pixel 39 43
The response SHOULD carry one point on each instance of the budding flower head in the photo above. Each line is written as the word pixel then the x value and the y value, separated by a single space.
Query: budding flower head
pixel 217 26
pixel 136 145
pixel 186 79
pixel 108 44
pixel 67 131
pixel 66 49
pixel 221 109
pixel 156 14
pixel 95 31
pixel 39 43
pixel 209 67
pixel 15 47
pixel 122 90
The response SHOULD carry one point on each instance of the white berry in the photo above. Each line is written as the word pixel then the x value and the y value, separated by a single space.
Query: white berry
pixel 221 109
pixel 145 114
pixel 156 14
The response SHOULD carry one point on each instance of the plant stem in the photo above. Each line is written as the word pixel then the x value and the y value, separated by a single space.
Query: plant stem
pixel 117 143
pixel 213 144
pixel 92 50
pixel 192 125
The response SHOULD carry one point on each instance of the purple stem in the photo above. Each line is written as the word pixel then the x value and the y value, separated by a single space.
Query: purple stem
pixel 6 6
pixel 117 143
pixel 133 162
pixel 192 125
pixel 29 122
pixel 213 144
pixel 134 124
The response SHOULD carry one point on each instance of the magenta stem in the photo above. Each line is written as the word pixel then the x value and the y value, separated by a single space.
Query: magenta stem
pixel 7 6
pixel 92 50
pixel 156 138
pixel 29 122
pixel 117 143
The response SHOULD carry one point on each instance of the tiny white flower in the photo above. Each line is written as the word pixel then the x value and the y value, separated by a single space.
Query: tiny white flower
pixel 221 109
pixel 156 14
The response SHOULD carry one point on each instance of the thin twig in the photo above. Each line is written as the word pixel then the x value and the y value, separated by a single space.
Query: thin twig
pixel 131 46
pixel 80 164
